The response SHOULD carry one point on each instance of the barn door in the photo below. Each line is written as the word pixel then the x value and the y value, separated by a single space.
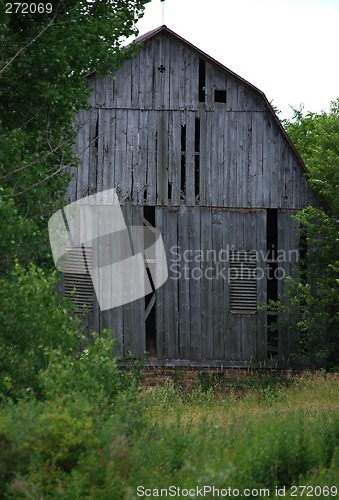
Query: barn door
pixel 150 299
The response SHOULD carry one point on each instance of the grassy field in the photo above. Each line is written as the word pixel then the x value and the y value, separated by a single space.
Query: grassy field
pixel 264 438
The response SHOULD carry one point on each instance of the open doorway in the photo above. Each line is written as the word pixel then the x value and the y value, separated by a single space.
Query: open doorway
pixel 150 299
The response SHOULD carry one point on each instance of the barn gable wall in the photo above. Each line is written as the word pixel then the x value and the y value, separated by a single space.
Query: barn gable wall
pixel 140 117
pixel 207 171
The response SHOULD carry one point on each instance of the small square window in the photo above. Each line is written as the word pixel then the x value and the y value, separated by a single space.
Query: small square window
pixel 220 96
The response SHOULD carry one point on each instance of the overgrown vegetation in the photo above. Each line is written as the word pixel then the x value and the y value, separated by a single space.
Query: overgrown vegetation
pixel 44 60
pixel 162 436
pixel 315 290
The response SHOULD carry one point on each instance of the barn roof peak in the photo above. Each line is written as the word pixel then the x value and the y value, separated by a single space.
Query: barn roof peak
pixel 165 29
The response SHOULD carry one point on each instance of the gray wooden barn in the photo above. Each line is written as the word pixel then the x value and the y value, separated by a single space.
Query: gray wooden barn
pixel 197 152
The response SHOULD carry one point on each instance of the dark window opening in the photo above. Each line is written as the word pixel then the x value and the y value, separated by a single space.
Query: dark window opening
pixel 150 299
pixel 197 136
pixel 272 280
pixel 183 139
pixel 272 233
pixel 197 175
pixel 183 160
pixel 202 80
pixel 197 157
pixel 149 214
pixel 220 96
pixel 169 190
pixel 150 326
pixel 183 175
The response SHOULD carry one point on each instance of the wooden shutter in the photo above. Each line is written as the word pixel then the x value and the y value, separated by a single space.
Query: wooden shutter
pixel 243 282
pixel 78 282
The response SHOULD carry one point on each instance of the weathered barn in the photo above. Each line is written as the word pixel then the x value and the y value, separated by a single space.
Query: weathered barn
pixel 197 152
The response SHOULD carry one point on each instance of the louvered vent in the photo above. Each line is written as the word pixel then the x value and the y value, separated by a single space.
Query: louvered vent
pixel 243 282
pixel 78 282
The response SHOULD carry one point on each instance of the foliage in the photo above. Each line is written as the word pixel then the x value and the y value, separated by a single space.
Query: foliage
pixel 315 291
pixel 43 66
pixel 316 137
pixel 92 373
pixel 317 295
pixel 33 321
pixel 68 448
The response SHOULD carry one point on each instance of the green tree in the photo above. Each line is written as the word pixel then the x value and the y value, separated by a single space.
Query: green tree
pixel 315 293
pixel 43 63
pixel 44 60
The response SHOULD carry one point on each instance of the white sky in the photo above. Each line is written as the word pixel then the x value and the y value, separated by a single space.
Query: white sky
pixel 286 48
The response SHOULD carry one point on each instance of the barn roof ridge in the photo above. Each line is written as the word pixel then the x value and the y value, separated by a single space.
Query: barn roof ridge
pixel 164 28
pixel 150 34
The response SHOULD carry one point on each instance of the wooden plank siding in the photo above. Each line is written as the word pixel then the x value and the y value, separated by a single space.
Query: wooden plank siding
pixel 210 170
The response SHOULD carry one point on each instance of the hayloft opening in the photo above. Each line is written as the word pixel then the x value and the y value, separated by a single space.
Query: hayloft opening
pixel 197 157
pixel 272 281
pixel 150 299
pixel 220 96
pixel 202 80
pixel 183 161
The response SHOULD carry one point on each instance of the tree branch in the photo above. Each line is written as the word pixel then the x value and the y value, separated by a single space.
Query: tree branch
pixel 27 44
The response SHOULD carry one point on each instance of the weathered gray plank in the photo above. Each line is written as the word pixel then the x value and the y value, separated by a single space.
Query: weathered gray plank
pixel 184 304
pixel 232 94
pixel 100 91
pixel 121 148
pixel 217 288
pixel 206 286
pixel 174 64
pixel 141 158
pixel 257 155
pixel 258 227
pixel 208 163
pixel 195 282
pixel 147 88
pixel 232 159
pixel 152 145
pixel 224 261
pixel 162 159
pixel 171 314
pixel 204 158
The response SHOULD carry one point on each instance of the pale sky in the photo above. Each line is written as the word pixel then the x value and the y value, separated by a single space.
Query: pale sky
pixel 286 48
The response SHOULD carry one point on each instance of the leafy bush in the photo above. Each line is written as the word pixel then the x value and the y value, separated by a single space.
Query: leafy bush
pixel 33 321
pixel 92 373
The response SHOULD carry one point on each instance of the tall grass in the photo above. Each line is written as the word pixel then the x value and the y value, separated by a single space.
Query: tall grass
pixel 271 435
